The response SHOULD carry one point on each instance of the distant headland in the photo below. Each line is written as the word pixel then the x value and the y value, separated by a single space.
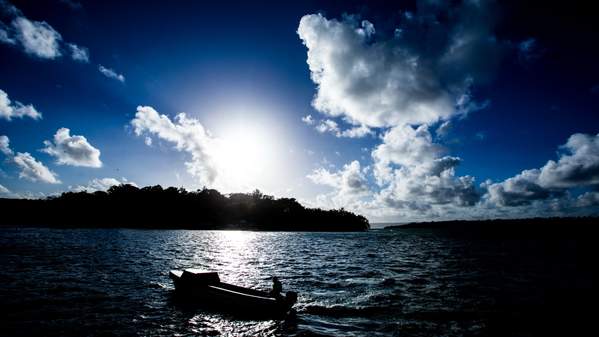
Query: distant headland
pixel 530 227
pixel 128 206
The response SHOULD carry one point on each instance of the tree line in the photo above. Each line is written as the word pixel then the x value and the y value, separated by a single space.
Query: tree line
pixel 156 207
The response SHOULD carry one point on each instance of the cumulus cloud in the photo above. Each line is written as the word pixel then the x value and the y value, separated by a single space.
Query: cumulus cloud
pixel 349 185
pixel 519 190
pixel 79 53
pixel 186 133
pixel 349 180
pixel 72 150
pixel 34 170
pixel 402 85
pixel 111 73
pixel 37 38
pixel 405 146
pixel 413 172
pixel 30 168
pixel 418 78
pixel 10 110
pixel 102 184
pixel 577 166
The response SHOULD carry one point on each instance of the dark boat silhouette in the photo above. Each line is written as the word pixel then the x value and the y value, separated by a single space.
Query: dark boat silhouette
pixel 206 289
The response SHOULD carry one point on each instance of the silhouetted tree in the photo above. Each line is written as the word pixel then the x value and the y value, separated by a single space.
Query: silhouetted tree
pixel 155 207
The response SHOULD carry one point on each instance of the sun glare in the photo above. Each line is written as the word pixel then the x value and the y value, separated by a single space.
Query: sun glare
pixel 246 155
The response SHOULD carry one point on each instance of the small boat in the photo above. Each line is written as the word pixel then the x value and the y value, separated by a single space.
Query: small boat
pixel 205 288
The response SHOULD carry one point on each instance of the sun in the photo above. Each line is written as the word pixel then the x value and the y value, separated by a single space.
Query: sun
pixel 244 156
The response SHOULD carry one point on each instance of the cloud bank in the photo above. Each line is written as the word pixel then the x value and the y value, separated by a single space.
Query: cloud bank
pixel 102 184
pixel 419 79
pixel 577 166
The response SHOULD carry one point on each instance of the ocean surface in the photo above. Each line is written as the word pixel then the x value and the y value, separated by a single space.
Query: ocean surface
pixel 114 282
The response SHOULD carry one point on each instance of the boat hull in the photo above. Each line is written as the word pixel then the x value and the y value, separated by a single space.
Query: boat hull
pixel 231 298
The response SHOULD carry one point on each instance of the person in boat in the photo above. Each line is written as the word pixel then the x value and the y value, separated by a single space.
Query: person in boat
pixel 277 288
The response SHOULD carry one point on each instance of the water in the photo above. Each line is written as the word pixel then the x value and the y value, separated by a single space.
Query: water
pixel 111 282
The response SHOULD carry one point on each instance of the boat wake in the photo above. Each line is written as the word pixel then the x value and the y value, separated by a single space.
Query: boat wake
pixel 341 311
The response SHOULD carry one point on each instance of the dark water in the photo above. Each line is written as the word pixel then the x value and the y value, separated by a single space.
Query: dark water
pixel 105 282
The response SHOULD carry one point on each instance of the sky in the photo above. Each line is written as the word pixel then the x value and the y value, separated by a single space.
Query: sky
pixel 402 111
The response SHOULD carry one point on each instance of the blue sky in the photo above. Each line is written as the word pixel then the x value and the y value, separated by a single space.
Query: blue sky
pixel 418 111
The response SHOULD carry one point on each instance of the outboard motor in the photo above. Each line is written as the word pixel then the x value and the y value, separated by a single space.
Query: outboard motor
pixel 291 297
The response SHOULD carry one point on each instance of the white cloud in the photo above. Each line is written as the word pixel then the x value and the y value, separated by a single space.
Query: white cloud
pixel 79 53
pixel 417 79
pixel 4 190
pixel 350 186
pixel 519 190
pixel 443 129
pixel 327 125
pixel 187 134
pixel 34 170
pixel 72 150
pixel 413 173
pixel 401 86
pixel 30 168
pixel 369 84
pixel 37 38
pixel 111 73
pixel 102 184
pixel 5 146
pixel 577 166
pixel 9 110
pixel 349 180
pixel 308 119
pixel 355 132
pixel 404 146
pixel 330 126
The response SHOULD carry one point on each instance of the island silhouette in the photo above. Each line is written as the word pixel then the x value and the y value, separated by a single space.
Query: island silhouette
pixel 566 227
pixel 176 208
